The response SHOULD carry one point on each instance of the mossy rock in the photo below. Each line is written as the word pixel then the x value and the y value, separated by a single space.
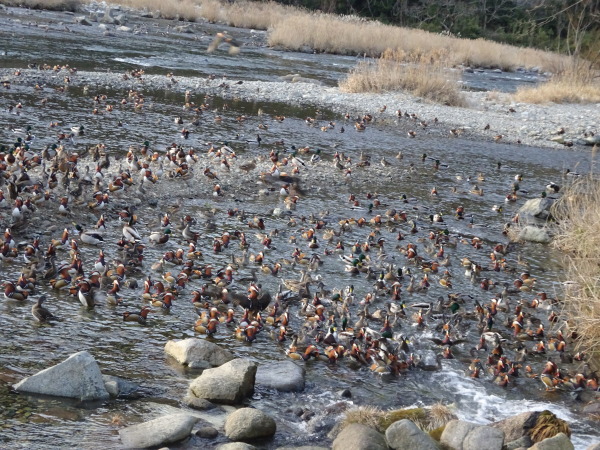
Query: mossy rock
pixel 437 433
pixel 419 416
pixel 548 425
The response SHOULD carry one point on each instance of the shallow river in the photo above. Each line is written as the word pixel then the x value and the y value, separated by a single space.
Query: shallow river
pixel 136 352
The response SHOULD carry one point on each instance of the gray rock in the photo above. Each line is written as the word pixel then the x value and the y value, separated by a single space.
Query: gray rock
pixel 592 408
pixel 535 210
pixel 197 403
pixel 559 442
pixel 515 427
pixel 236 446
pixel 192 350
pixel 162 431
pixel 118 387
pixel 359 437
pixel 484 437
pixel 76 377
pixel 229 383
pixel 207 433
pixel 404 434
pixel 124 29
pixel 303 447
pixel 285 376
pixel 531 233
pixel 249 423
pixel 81 20
pixel 522 442
pixel 455 433
pixel 345 393
pixel 429 361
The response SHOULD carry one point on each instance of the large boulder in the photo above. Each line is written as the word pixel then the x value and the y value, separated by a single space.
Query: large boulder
pixel 359 437
pixel 592 408
pixel 192 352
pixel 404 434
pixel 249 423
pixel 285 376
pixel 158 432
pixel 559 441
pixel 515 427
pixel 460 435
pixel 230 383
pixel 76 377
pixel 535 211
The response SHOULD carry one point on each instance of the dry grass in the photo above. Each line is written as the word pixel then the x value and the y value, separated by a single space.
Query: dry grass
pixel 54 5
pixel 421 75
pixel 548 425
pixel 347 35
pixel 427 419
pixel 578 214
pixel 295 28
pixel 575 82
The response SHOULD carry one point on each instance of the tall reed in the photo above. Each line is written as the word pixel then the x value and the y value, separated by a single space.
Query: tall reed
pixel 578 215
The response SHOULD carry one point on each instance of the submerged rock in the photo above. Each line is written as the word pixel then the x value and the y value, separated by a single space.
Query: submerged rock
pixel 118 387
pixel 285 376
pixel 192 351
pixel 531 233
pixel 359 437
pixel 76 377
pixel 430 361
pixel 230 383
pixel 162 431
pixel 249 423
pixel 404 434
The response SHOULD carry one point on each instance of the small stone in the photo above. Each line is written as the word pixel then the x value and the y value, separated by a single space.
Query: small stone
pixel 236 446
pixel 345 393
pixel 197 403
pixel 81 20
pixel 207 433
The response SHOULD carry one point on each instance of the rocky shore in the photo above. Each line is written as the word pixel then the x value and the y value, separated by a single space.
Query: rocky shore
pixel 228 387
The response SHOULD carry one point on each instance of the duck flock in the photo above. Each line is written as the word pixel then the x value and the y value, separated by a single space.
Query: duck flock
pixel 233 234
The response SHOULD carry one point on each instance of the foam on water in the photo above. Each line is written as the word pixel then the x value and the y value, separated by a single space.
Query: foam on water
pixel 476 403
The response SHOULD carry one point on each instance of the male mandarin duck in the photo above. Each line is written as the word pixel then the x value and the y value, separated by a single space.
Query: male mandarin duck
pixel 140 317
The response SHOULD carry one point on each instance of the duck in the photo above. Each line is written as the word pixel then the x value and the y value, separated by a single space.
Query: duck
pixel 160 237
pixel 140 317
pixel 90 237
pixel 40 313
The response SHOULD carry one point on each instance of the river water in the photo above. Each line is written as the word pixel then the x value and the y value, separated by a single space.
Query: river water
pixel 136 352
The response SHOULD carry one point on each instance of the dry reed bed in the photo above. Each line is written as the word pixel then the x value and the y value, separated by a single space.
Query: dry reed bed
pixel 576 82
pixel 424 76
pixel 578 214
pixel 295 28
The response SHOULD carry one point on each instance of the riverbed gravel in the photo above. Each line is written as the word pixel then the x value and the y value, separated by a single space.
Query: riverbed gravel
pixel 527 124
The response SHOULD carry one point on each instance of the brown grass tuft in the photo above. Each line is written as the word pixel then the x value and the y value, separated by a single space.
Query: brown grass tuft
pixel 426 419
pixel 574 82
pixel 548 425
pixel 422 75
pixel 578 216
pixel 53 5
